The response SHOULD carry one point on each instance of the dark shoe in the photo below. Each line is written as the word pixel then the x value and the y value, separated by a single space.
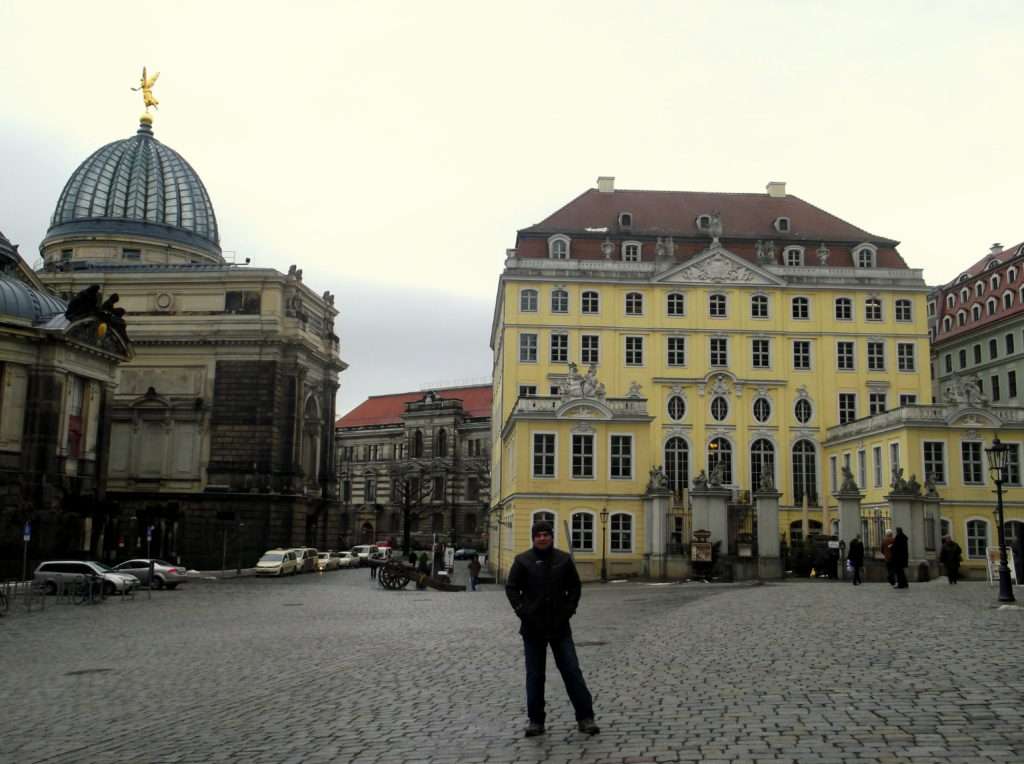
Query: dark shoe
pixel 534 728
pixel 588 727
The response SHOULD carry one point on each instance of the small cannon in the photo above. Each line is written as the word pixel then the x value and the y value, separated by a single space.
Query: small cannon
pixel 393 574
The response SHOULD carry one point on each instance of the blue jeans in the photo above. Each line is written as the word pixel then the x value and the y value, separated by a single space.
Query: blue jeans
pixel 472 583
pixel 536 650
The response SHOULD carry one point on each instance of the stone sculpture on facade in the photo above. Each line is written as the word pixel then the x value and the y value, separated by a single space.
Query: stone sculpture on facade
pixel 577 385
pixel 715 227
pixel 634 390
pixel 822 254
pixel 658 480
pixel 849 485
pixel 929 486
pixel 898 484
pixel 717 474
pixel 701 481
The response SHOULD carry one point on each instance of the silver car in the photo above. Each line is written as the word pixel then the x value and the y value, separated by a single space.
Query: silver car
pixel 56 574
pixel 164 574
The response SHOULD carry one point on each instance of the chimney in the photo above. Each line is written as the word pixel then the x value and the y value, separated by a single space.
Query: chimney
pixel 606 184
pixel 776 189
pixel 996 249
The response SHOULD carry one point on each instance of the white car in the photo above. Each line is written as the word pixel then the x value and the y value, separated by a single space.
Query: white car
pixel 57 574
pixel 347 560
pixel 326 561
pixel 362 552
pixel 277 562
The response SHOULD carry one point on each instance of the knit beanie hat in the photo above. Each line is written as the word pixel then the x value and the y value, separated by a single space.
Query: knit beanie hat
pixel 541 526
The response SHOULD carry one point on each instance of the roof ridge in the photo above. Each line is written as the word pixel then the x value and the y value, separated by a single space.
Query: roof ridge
pixel 429 390
pixel 844 221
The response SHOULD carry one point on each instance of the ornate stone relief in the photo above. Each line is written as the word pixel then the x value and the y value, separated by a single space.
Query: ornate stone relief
pixel 718 269
pixel 577 385
pixel 584 428
pixel 607 248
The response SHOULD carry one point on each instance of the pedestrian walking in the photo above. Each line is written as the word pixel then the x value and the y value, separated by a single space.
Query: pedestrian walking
pixel 423 568
pixel 474 573
pixel 900 558
pixel 856 558
pixel 886 548
pixel 373 569
pixel 950 557
pixel 544 590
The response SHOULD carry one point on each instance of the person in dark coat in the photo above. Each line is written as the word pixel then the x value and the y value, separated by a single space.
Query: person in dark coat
pixel 900 558
pixel 950 557
pixel 544 590
pixel 474 573
pixel 856 558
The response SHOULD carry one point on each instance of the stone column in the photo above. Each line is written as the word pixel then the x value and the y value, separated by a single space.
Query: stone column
pixel 933 508
pixel 711 513
pixel 656 506
pixel 769 563
pixel 849 515
pixel 899 509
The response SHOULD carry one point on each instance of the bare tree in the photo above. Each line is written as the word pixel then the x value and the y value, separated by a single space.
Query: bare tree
pixel 411 491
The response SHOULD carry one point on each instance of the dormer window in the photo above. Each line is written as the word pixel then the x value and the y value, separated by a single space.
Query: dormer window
pixel 631 251
pixel 131 254
pixel 558 247
pixel 864 256
pixel 991 306
pixel 962 278
pixel 1011 275
pixel 1007 299
pixel 793 256
pixel 950 301
pixel 976 312
pixel 992 264
pixel 947 323
pixel 961 317
pixel 703 222
pixel 625 220
pixel 979 289
pixel 782 225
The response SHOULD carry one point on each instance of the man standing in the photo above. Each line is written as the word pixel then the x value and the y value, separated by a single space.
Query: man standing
pixel 474 572
pixel 886 548
pixel 950 558
pixel 856 558
pixel 543 588
pixel 900 558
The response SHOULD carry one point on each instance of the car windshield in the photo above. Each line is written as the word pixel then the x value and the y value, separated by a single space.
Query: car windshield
pixel 101 566
pixel 324 556
pixel 274 557
pixel 162 562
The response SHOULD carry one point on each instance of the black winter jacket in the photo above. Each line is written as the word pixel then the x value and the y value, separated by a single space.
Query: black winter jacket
pixel 900 551
pixel 544 590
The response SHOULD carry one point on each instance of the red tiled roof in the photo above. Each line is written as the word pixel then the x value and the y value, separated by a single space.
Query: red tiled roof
pixel 388 409
pixel 980 271
pixel 674 213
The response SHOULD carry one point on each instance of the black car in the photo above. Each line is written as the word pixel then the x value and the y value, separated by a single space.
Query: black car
pixel 465 554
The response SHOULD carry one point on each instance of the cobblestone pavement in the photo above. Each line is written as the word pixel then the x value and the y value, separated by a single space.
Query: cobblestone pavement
pixel 331 668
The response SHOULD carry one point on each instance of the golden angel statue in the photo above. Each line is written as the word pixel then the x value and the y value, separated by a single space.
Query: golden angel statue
pixel 146 86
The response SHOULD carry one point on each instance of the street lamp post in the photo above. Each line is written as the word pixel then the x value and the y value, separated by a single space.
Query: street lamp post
pixel 998 458
pixel 604 546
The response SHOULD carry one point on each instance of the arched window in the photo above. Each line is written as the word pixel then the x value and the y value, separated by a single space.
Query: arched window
pixel 417 445
pixel 621 533
pixel 762 462
pixel 720 450
pixel 802 411
pixel 717 305
pixel 865 257
pixel 442 443
pixel 759 306
pixel 677 464
pixel 873 309
pixel 994 281
pixel 961 317
pixel 634 304
pixel 676 407
pixel 976 312
pixel 582 526
pixel 947 323
pixel 977 538
pixel 719 408
pixel 1011 276
pixel 589 302
pixel 762 409
pixel 793 256
pixel 1007 299
pixel 676 304
pixel 528 301
pixel 991 306
pixel 544 516
pixel 979 289
pixel 965 294
pixel 844 309
pixel 804 473
pixel 559 301
pixel 558 248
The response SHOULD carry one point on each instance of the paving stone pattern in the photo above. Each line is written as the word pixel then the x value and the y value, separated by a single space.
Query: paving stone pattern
pixel 333 669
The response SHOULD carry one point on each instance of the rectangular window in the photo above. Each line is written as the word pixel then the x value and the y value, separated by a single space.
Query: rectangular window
pixel 346 491
pixel 949 363
pixel 621 457
pixel 801 354
pixel 970 454
pixel 589 349
pixel 528 348
pixel 131 254
pixel 847 407
pixel 934 461
pixel 1011 384
pixel 559 348
pixel 589 302
pixel 370 491
pixel 760 355
pixel 583 456
pixel 621 533
pixel 634 351
pixel 719 351
pixel 977 353
pixel 844 356
pixel 994 382
pixel 543 455
pixel 905 360
pixel 833 468
pixel 862 468
pixel 525 391
pixel 993 349
pixel 437 489
pixel 554 390
pixel 963 358
pixel 876 456
pixel 1009 344
pixel 676 351
pixel 472 489
pixel 582 532
pixel 876 356
pixel 908 399
pixel 1013 463
pixel 876 403
pixel 759 306
pixel 716 305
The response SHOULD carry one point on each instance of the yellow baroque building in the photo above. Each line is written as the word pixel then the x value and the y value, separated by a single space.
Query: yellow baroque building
pixel 642 337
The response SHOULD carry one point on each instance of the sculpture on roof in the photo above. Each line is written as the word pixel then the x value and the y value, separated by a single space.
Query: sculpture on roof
pixel 146 86
pixel 715 227
pixel 822 254
pixel 84 303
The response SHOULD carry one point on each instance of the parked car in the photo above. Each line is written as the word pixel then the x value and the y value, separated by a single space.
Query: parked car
pixel 305 558
pixel 277 562
pixel 362 552
pixel 164 574
pixel 465 554
pixel 55 574
pixel 347 560
pixel 326 561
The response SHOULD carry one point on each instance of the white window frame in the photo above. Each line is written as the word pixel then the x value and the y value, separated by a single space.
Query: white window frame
pixel 968 537
pixel 803 301
pixel 566 355
pixel 681 352
pixel 810 406
pixel 631 531
pixel 584 295
pixel 766 303
pixel 839 406
pixel 711 408
pixel 553 248
pixel 908 308
pixel 626 255
pixel 668 304
pixel 945 461
pixel 556 293
pixel 533 455
pixel 871 357
pixel 626 349
pixel 522 337
pixel 980 463
pixel 869 302
pixel 612 457
pixel 793 257
pixel 587 359
pixel 768 403
pixel 636 298
pixel 593 530
pixel 755 354
pixel 847 303
pixel 876 457
pixel 536 300
pixel 906 363
pixel 870 250
pixel 871 403
pixel 851 356
pixel 668 407
pixel 593 456
pixel 725 305
pixel 810 355
pixel 711 352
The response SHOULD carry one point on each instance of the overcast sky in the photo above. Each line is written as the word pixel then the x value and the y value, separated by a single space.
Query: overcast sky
pixel 392 150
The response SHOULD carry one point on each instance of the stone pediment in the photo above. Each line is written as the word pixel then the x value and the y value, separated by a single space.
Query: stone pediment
pixel 973 417
pixel 585 408
pixel 718 265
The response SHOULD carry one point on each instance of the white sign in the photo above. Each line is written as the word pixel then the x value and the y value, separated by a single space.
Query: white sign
pixel 992 555
pixel 449 557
